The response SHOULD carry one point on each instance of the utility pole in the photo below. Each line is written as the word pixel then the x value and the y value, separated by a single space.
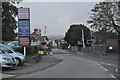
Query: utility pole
pixel 45 31
pixel 45 35
pixel 83 40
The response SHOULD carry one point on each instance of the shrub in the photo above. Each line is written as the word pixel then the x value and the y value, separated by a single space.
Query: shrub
pixel 31 50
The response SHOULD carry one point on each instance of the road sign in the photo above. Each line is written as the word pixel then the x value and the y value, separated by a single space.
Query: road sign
pixel 80 42
pixel 24 27
pixel 23 13
pixel 24 41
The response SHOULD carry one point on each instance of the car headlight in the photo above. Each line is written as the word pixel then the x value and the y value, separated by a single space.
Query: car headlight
pixel 7 59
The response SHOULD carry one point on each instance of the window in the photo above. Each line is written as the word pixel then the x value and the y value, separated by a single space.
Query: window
pixel 5 49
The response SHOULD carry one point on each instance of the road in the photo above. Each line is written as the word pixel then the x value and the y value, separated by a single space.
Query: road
pixel 72 66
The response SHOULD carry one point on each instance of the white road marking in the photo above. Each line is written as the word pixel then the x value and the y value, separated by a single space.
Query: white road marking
pixel 6 75
pixel 102 67
pixel 112 76
pixel 67 54
pixel 108 64
pixel 106 70
pixel 80 53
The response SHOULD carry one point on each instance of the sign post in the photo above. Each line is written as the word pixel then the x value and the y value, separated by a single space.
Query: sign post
pixel 24 27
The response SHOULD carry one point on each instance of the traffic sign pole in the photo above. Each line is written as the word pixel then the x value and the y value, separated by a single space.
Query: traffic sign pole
pixel 24 51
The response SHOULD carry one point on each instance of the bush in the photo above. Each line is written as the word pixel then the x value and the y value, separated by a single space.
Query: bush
pixel 64 45
pixel 30 50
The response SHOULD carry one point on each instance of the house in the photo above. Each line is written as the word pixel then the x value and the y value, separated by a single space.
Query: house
pixel 36 38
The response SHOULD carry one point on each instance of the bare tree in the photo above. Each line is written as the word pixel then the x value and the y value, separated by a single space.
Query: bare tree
pixel 106 15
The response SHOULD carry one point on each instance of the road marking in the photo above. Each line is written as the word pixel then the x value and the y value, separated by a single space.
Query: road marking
pixel 102 67
pixel 106 69
pixel 108 64
pixel 80 53
pixel 6 75
pixel 67 54
pixel 112 76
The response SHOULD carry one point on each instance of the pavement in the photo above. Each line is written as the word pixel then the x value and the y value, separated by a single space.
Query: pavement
pixel 46 62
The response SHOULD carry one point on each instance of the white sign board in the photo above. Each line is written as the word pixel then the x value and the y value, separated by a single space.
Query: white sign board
pixel 80 42
pixel 23 13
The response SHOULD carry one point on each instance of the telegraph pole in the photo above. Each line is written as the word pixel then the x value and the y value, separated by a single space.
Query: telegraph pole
pixel 45 34
pixel 83 39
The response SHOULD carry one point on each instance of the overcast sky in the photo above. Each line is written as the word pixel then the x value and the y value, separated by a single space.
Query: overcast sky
pixel 57 16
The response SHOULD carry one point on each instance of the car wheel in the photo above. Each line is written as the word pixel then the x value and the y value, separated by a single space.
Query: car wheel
pixel 18 61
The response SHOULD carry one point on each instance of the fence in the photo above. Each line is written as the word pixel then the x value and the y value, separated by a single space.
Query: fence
pixel 96 49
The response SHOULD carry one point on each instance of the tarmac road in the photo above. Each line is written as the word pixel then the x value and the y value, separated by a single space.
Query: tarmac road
pixel 71 67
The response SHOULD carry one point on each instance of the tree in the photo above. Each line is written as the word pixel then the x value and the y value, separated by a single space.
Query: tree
pixel 105 15
pixel 74 34
pixel 102 35
pixel 9 23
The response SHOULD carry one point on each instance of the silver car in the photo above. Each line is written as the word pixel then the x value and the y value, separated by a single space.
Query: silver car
pixel 18 56
pixel 7 60
pixel 12 44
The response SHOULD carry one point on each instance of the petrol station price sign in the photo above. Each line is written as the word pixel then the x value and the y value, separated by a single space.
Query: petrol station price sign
pixel 23 13
pixel 24 27
pixel 24 41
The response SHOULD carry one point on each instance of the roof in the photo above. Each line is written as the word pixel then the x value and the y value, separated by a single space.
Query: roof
pixel 39 37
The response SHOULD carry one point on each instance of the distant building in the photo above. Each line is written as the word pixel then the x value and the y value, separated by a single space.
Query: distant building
pixel 36 38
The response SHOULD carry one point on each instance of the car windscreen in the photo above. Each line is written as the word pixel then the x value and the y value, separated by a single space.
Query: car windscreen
pixel 5 49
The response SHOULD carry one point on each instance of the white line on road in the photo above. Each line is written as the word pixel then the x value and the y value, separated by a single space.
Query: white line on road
pixel 108 64
pixel 102 67
pixel 67 54
pixel 6 75
pixel 112 76
pixel 106 70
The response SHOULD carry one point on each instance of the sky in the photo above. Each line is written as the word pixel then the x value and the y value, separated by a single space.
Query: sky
pixel 57 16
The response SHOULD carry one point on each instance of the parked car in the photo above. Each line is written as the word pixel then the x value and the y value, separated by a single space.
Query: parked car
pixel 7 60
pixel 12 44
pixel 18 56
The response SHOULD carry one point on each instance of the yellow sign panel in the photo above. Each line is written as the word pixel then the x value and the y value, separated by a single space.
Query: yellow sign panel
pixel 41 52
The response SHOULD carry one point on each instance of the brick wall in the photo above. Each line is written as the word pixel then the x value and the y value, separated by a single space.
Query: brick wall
pixel 113 43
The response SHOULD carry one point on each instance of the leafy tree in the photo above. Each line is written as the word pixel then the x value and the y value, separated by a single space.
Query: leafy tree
pixel 105 15
pixel 64 45
pixel 9 24
pixel 74 34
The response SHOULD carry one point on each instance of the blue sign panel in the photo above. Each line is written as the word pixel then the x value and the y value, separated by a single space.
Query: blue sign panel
pixel 24 27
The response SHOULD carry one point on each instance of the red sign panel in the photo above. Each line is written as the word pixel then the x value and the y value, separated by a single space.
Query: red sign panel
pixel 24 41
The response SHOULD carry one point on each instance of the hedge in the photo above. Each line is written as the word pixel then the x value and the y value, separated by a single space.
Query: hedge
pixel 30 49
